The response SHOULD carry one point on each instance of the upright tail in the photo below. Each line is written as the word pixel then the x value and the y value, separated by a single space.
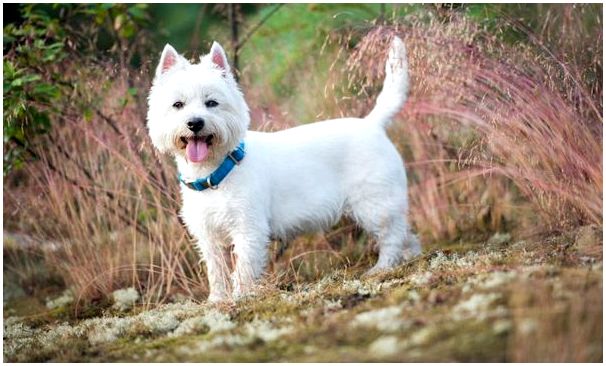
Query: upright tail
pixel 395 86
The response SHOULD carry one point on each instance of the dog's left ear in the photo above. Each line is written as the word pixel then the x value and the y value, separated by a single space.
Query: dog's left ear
pixel 218 58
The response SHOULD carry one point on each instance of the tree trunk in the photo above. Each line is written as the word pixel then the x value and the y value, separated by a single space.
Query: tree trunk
pixel 233 20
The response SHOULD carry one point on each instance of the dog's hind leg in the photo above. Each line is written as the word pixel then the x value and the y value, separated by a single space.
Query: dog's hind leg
pixel 396 244
pixel 387 222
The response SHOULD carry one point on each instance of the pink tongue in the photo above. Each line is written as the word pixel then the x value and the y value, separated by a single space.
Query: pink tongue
pixel 196 150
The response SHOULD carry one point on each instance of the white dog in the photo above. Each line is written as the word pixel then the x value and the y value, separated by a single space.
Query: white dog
pixel 242 187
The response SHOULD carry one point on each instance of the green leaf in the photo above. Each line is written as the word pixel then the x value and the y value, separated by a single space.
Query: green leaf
pixel 136 12
pixel 17 82
pixel 25 79
pixel 128 30
pixel 46 90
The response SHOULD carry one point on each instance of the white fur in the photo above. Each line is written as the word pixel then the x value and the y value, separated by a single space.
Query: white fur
pixel 297 180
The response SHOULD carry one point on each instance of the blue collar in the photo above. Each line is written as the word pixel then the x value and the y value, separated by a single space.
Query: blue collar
pixel 212 181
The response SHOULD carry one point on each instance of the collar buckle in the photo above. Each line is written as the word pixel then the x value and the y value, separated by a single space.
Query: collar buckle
pixel 210 185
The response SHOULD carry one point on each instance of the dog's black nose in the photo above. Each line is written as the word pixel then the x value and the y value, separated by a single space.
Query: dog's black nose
pixel 195 124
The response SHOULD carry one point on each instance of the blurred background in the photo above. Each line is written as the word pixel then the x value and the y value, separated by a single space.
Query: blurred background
pixel 502 133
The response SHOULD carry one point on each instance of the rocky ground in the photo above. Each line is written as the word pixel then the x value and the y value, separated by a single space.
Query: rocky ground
pixel 502 300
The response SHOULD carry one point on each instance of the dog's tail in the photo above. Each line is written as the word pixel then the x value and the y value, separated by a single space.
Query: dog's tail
pixel 395 86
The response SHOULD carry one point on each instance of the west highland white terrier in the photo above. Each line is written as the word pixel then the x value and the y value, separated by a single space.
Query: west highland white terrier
pixel 241 188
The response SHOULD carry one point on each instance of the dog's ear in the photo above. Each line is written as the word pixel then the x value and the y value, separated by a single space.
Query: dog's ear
pixel 169 59
pixel 218 58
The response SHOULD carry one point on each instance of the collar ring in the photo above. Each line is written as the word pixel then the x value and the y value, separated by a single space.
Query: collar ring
pixel 209 184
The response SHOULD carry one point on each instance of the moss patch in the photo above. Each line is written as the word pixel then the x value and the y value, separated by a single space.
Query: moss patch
pixel 482 302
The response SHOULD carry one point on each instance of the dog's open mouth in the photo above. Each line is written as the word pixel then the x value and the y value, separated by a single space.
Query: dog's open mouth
pixel 196 147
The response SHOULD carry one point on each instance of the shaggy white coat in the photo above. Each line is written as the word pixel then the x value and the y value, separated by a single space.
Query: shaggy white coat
pixel 297 180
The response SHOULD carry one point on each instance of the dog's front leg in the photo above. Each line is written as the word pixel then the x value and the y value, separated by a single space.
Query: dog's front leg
pixel 250 261
pixel 218 269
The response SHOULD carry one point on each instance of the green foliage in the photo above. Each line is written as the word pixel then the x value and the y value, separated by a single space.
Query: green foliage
pixel 123 21
pixel 31 85
pixel 40 54
pixel 296 33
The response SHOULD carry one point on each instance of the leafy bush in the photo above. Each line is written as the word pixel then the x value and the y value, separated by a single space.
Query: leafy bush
pixel 31 82
pixel 40 83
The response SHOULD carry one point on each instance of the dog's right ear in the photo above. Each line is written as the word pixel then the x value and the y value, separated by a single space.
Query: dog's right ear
pixel 169 59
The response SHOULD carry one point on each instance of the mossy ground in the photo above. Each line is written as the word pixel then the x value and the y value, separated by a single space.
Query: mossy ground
pixel 497 301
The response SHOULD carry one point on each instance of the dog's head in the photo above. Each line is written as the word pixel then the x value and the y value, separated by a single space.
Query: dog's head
pixel 196 111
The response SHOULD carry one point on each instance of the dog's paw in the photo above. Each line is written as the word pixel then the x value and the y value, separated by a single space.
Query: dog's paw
pixel 386 264
pixel 219 299
pixel 376 270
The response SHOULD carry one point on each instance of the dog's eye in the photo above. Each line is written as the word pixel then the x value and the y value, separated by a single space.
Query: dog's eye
pixel 178 105
pixel 211 103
